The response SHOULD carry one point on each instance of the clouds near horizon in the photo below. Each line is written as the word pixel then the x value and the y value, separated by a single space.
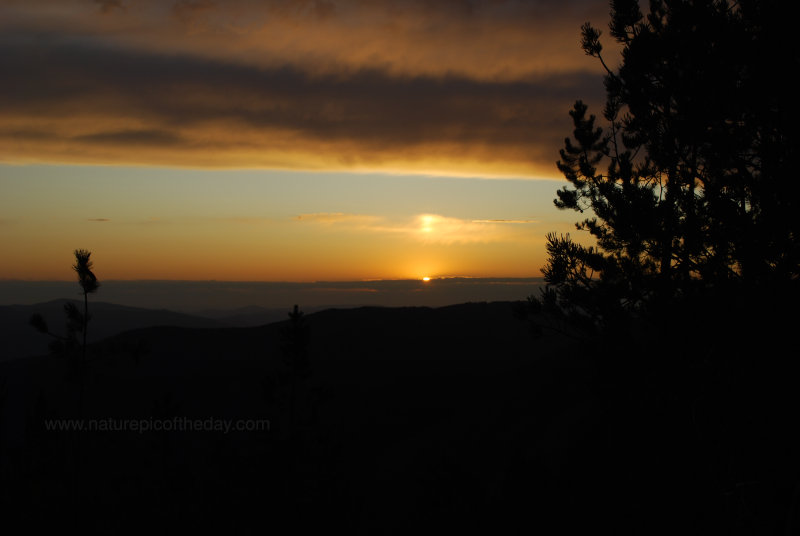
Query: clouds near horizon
pixel 433 229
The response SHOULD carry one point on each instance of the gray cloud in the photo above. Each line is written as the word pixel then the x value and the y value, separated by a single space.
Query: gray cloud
pixel 81 95
pixel 131 137
pixel 505 221
pixel 107 6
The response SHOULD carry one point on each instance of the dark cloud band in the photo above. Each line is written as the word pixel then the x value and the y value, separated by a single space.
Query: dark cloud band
pixel 98 98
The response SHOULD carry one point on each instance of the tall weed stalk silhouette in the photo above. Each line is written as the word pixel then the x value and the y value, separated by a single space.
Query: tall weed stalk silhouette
pixel 77 321
pixel 89 284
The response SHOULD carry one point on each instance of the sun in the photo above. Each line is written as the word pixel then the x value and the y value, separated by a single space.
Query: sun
pixel 426 279
pixel 426 223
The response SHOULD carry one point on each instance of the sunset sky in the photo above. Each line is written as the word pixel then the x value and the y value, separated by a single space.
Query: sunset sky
pixel 287 140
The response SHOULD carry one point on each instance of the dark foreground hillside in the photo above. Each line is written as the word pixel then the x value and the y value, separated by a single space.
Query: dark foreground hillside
pixel 405 420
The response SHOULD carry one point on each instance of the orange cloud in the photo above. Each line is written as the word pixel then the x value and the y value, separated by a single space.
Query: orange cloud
pixel 485 39
pixel 331 218
pixel 505 221
pixel 424 228
pixel 475 88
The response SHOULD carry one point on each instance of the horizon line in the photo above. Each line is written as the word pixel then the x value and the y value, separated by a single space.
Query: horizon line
pixel 371 280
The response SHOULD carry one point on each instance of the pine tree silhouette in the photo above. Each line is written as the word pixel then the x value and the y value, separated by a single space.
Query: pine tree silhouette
pixel 684 189
pixel 685 193
pixel 295 350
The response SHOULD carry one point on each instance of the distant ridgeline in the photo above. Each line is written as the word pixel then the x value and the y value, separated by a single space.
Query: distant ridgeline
pixel 194 296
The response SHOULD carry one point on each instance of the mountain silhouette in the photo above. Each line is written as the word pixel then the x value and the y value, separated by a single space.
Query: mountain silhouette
pixel 18 339
pixel 386 386
pixel 453 418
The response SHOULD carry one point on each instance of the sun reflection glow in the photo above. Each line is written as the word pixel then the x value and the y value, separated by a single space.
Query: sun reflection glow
pixel 427 223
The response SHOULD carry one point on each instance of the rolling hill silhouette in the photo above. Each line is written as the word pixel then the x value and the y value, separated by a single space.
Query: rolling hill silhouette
pixel 452 418
pixel 391 390
pixel 18 339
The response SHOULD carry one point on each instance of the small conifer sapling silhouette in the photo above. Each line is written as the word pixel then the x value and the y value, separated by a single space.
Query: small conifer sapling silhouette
pixel 295 351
